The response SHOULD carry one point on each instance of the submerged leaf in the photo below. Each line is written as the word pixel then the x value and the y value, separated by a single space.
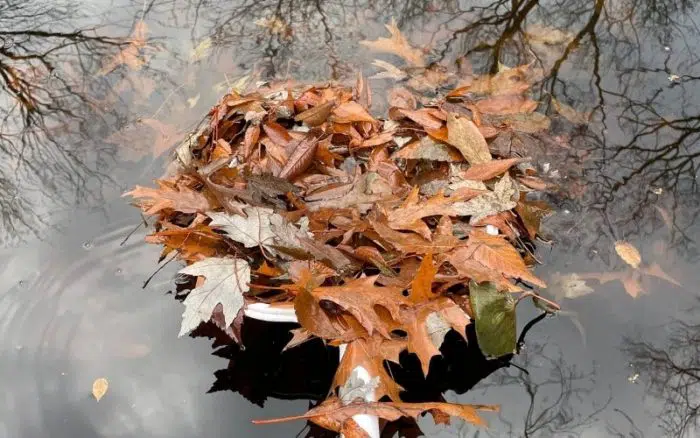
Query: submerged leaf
pixel 628 253
pixel 396 44
pixel 494 316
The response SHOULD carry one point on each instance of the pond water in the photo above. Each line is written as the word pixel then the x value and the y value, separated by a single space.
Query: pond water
pixel 79 127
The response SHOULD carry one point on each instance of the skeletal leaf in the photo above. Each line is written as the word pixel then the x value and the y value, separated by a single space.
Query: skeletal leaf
pixel 494 315
pixel 226 279
pixel 390 71
pixel 251 230
pixel 358 388
pixel 628 253
pixel 570 286
pixel 202 50
pixel 99 388
pixel 500 199
pixel 465 136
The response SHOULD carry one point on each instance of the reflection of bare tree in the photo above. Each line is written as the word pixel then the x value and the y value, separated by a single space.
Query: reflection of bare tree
pixel 44 110
pixel 673 373
pixel 556 401
pixel 607 58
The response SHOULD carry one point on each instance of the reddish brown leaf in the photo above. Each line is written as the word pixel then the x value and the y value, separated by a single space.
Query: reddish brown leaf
pixel 277 133
pixel 169 196
pixel 497 254
pixel 412 243
pixel 409 215
pixel 428 149
pixel 192 243
pixel 317 115
pixel 360 298
pixel 334 415
pixel 488 170
pixel 301 158
pixel 423 117
pixel 422 284
pixel 350 112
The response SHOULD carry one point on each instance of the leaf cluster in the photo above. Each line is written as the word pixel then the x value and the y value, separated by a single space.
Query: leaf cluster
pixel 297 196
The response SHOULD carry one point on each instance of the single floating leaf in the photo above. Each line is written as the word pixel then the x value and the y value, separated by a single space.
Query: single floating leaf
pixel 628 253
pixel 494 314
pixel 99 388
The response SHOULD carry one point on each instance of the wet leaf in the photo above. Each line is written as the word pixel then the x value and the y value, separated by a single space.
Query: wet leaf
pixel 494 316
pixel 571 114
pixel 508 104
pixel 398 45
pixel 356 388
pixel 497 254
pixel 371 353
pixel 99 388
pixel 360 297
pixel 226 279
pixel 628 253
pixel 570 286
pixel 655 270
pixel 465 136
pixel 131 54
pixel 192 243
pixel 333 415
pixel 201 51
pixel 390 71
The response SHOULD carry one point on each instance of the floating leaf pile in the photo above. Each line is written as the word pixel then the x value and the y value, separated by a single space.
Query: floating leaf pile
pixel 371 229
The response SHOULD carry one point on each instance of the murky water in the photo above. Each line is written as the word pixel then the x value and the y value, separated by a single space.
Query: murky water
pixel 78 130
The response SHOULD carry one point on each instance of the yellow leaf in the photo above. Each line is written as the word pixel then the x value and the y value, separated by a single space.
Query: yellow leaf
pixel 201 51
pixel 628 253
pixel 99 388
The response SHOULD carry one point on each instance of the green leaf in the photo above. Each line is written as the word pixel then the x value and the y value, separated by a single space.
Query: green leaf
pixel 494 314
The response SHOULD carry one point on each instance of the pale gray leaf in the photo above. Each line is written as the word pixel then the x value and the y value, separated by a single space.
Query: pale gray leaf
pixel 251 230
pixel 500 199
pixel 225 282
pixel 437 328
pixel 358 388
